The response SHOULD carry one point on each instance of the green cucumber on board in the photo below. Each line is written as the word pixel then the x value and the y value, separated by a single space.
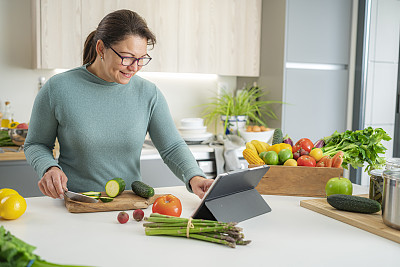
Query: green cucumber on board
pixel 106 199
pixel 277 138
pixel 353 203
pixel 141 189
pixel 115 187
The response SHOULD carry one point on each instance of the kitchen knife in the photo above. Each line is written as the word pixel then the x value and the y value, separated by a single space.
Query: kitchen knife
pixel 80 197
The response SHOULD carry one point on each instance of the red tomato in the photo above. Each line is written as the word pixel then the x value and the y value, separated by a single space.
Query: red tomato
pixel 168 205
pixel 295 148
pixel 305 144
pixel 306 160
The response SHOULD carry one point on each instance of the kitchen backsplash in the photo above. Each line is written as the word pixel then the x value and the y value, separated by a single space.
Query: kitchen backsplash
pixel 184 92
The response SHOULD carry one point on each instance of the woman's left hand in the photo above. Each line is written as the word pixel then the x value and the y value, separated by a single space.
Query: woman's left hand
pixel 200 185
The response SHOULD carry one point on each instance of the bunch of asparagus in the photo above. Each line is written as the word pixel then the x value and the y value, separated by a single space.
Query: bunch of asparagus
pixel 213 231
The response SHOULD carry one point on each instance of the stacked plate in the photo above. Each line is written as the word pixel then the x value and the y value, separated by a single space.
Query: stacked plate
pixel 193 130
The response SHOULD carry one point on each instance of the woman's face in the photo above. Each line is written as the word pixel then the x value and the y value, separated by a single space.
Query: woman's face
pixel 113 70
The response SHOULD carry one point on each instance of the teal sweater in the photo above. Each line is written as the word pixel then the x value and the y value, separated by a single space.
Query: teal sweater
pixel 101 127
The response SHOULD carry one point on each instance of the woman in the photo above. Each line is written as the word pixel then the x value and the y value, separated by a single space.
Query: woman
pixel 100 113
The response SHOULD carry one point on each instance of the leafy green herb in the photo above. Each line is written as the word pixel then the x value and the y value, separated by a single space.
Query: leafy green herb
pixel 16 253
pixel 359 147
pixel 245 103
pixel 5 139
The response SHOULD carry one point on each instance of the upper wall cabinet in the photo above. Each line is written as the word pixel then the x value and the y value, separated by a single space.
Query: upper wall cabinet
pixel 57 33
pixel 193 36
pixel 220 36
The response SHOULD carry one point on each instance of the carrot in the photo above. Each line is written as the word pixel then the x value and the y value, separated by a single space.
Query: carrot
pixel 325 161
pixel 337 160
pixel 329 162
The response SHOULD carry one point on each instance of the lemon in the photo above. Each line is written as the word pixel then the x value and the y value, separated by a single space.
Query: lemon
pixel 316 153
pixel 12 207
pixel 7 191
pixel 290 162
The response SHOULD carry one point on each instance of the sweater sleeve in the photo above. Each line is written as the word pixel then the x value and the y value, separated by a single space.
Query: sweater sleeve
pixel 166 138
pixel 39 143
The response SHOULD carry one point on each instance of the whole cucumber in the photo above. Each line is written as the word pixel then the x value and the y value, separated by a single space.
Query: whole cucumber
pixel 353 203
pixel 141 189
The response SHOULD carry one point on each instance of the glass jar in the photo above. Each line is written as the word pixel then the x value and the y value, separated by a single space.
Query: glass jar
pixel 393 164
pixel 376 185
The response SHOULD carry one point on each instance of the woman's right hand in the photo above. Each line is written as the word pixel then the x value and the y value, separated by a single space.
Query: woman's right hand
pixel 53 183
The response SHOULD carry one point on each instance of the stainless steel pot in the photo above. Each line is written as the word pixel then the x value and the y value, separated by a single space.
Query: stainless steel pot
pixel 391 198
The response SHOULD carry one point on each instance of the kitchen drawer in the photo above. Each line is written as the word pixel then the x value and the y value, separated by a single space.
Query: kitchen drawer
pixel 208 166
pixel 20 176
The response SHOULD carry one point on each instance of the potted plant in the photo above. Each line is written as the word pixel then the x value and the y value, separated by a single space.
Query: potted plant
pixel 237 110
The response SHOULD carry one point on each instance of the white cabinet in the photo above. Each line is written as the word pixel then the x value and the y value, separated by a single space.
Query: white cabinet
pixel 57 33
pixel 384 31
pixel 220 36
pixel 209 36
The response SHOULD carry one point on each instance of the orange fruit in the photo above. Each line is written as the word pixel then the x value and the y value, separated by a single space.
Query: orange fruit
pixel 12 207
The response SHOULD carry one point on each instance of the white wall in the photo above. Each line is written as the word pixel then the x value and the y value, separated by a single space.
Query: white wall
pixel 382 70
pixel 19 82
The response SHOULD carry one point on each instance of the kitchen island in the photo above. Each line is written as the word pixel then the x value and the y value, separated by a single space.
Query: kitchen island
pixel 287 236
pixel 16 173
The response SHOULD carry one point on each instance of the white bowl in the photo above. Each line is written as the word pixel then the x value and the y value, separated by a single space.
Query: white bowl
pixel 196 137
pixel 192 123
pixel 261 136
pixel 190 130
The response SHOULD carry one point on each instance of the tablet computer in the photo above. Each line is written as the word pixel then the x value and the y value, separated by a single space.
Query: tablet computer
pixel 233 198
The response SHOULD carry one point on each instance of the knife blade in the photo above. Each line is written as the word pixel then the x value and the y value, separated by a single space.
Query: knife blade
pixel 79 197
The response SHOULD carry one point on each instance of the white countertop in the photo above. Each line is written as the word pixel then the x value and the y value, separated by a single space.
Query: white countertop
pixel 287 236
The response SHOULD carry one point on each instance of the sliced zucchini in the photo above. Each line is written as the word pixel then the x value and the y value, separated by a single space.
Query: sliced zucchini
pixel 106 199
pixel 115 187
pixel 92 194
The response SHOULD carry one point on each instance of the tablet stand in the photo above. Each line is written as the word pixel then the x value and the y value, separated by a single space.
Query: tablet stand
pixel 234 198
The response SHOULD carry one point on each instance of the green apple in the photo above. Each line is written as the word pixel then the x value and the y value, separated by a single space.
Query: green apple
pixel 339 185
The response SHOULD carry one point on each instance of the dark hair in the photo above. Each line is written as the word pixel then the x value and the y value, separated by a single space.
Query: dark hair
pixel 114 28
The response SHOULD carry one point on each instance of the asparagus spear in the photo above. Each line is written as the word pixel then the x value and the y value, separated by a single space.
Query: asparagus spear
pixel 212 231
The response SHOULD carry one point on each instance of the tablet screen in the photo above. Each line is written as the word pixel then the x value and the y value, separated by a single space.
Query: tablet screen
pixel 230 183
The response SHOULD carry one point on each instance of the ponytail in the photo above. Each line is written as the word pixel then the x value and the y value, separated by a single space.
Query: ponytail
pixel 89 49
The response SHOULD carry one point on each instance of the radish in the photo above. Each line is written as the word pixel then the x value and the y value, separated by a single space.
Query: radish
pixel 123 217
pixel 138 215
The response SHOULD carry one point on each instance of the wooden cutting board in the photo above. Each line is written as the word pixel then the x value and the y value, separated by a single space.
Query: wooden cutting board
pixel 126 201
pixel 372 223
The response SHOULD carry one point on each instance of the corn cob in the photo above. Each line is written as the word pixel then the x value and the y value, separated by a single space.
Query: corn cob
pixel 260 146
pixel 250 146
pixel 251 157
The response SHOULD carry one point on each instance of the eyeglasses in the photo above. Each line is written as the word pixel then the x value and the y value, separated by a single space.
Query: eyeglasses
pixel 128 61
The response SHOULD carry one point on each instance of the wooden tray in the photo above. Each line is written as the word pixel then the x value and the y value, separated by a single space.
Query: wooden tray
pixel 296 180
pixel 372 223
pixel 126 201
